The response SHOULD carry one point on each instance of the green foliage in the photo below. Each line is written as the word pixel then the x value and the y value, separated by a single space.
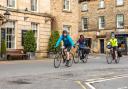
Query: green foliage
pixel 3 47
pixel 52 41
pixel 29 42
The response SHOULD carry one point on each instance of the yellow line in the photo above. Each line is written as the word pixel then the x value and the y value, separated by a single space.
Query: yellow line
pixel 83 87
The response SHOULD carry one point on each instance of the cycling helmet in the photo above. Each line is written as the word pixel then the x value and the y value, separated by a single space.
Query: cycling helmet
pixel 65 31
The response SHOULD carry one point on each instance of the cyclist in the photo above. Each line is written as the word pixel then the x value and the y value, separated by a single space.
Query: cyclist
pixel 113 42
pixel 82 44
pixel 68 44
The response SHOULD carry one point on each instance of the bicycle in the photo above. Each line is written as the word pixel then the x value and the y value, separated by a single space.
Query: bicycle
pixel 110 56
pixel 78 55
pixel 62 56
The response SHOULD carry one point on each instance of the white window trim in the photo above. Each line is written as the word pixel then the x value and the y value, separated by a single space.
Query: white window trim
pixel 69 6
pixel 14 6
pixel 82 6
pixel 37 48
pixel 100 6
pixel 69 29
pixel 99 23
pixel 117 21
pixel 37 6
pixel 83 23
pixel 118 4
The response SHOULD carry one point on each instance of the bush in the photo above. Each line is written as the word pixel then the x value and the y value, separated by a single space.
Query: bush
pixel 29 42
pixel 52 41
pixel 3 47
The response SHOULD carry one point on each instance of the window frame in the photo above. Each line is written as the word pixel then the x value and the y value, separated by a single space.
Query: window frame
pixel 100 4
pixel 34 4
pixel 69 28
pixel 100 23
pixel 82 6
pixel 117 21
pixel 8 4
pixel 36 35
pixel 83 29
pixel 117 4
pixel 64 5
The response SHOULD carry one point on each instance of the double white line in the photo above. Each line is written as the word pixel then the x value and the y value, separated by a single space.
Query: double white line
pixel 90 82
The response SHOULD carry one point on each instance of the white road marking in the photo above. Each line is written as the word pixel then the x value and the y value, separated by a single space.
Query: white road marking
pixel 90 82
pixel 123 87
pixel 83 87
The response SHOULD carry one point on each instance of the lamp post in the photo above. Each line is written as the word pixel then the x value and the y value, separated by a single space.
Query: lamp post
pixel 7 14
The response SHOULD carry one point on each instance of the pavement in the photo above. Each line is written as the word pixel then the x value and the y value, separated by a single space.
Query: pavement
pixel 41 74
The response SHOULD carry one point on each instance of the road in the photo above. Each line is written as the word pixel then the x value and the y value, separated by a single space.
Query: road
pixel 40 74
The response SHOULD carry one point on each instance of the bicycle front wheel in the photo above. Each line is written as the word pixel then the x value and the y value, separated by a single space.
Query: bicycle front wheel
pixel 109 58
pixel 71 60
pixel 76 58
pixel 57 60
pixel 117 60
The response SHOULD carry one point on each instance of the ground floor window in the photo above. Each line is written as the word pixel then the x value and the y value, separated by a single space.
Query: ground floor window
pixel 67 28
pixel 8 34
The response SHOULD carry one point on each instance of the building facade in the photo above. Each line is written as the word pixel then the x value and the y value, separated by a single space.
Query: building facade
pixel 101 17
pixel 26 15
pixel 66 16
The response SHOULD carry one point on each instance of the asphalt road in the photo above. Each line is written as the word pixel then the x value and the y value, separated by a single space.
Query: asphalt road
pixel 96 74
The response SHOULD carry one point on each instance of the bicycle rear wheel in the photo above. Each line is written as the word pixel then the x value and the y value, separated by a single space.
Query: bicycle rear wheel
pixel 57 60
pixel 71 60
pixel 109 58
pixel 85 58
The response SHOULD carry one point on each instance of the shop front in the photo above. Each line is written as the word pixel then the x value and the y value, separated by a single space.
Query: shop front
pixel 123 42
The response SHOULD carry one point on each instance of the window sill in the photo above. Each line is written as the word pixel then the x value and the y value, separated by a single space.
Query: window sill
pixel 101 8
pixel 84 10
pixel 83 30
pixel 119 5
pixel 67 11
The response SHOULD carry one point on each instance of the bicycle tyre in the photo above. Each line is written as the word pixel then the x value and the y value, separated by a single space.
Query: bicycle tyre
pixel 85 58
pixel 57 60
pixel 109 58
pixel 76 58
pixel 71 60
pixel 117 60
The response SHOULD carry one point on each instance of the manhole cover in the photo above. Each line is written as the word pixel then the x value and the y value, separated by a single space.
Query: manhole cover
pixel 20 82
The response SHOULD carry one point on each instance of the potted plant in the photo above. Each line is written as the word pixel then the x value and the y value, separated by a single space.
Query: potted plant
pixel 29 44
pixel 52 42
pixel 3 49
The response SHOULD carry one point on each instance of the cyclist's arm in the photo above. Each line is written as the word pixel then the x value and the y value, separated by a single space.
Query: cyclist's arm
pixel 59 41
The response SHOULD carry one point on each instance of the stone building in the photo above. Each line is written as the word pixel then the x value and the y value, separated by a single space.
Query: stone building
pixel 66 16
pixel 26 15
pixel 99 17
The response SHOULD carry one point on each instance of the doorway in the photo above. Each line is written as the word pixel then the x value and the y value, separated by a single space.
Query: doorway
pixel 101 45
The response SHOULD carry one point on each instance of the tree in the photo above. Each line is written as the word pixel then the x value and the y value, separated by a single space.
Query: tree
pixel 3 47
pixel 29 42
pixel 52 41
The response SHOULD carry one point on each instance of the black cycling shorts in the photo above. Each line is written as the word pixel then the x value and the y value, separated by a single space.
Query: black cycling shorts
pixel 68 48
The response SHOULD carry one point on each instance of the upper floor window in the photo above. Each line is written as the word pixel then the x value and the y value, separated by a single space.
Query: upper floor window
pixel 11 3
pixel 84 23
pixel 84 7
pixel 101 4
pixel 119 2
pixel 66 5
pixel 120 21
pixel 101 22
pixel 34 5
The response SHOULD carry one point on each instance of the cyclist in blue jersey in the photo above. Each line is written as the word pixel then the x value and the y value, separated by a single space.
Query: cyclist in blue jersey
pixel 68 43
